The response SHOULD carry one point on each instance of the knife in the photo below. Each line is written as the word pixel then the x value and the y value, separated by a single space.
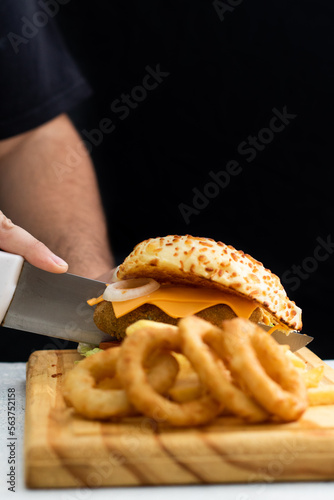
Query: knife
pixel 294 339
pixel 54 305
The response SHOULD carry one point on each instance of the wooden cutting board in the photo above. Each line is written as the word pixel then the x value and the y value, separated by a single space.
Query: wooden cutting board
pixel 64 450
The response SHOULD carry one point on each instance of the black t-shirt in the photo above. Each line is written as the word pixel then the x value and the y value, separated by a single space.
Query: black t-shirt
pixel 216 119
pixel 38 78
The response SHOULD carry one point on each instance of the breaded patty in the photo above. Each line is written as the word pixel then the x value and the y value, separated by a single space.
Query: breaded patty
pixel 105 319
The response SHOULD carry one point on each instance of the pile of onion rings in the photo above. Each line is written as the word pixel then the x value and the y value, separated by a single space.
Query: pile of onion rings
pixel 93 388
pixel 190 374
pixel 261 369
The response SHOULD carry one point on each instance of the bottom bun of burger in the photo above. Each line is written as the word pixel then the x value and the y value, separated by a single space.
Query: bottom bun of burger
pixel 197 276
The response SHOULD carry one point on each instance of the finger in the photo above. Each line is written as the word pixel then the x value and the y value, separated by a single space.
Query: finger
pixel 15 239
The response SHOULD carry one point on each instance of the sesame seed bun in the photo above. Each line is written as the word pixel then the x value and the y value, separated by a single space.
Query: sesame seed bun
pixel 195 261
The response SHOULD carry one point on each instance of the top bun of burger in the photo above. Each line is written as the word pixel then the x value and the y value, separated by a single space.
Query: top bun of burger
pixel 203 262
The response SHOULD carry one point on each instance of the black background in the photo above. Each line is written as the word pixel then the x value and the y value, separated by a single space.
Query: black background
pixel 225 73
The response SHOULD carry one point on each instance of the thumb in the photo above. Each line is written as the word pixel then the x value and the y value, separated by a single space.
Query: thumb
pixel 15 239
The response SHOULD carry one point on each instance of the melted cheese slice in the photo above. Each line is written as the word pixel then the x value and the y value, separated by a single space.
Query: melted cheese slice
pixel 178 301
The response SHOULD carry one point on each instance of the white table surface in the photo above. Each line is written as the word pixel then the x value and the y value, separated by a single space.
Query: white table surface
pixel 12 375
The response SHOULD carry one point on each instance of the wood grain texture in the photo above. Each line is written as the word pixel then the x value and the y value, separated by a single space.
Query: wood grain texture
pixel 65 450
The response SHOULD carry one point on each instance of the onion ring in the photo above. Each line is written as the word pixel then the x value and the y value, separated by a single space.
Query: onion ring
pixel 130 289
pixel 261 367
pixel 135 350
pixel 95 392
pixel 212 372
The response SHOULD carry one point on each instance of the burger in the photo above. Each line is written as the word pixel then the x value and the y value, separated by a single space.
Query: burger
pixel 167 278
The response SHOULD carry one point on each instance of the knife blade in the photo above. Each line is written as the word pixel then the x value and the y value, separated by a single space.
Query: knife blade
pixel 54 305
pixel 294 339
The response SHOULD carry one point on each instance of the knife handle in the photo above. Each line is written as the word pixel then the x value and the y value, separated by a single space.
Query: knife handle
pixel 10 270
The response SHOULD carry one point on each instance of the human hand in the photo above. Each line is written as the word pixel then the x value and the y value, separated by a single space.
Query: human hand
pixel 15 239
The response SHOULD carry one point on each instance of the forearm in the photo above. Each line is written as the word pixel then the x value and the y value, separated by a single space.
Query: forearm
pixel 56 197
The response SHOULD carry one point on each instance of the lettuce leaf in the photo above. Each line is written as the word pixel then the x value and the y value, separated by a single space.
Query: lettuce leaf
pixel 87 349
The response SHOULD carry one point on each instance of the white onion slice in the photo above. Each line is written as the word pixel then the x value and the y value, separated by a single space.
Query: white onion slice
pixel 130 289
pixel 114 278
